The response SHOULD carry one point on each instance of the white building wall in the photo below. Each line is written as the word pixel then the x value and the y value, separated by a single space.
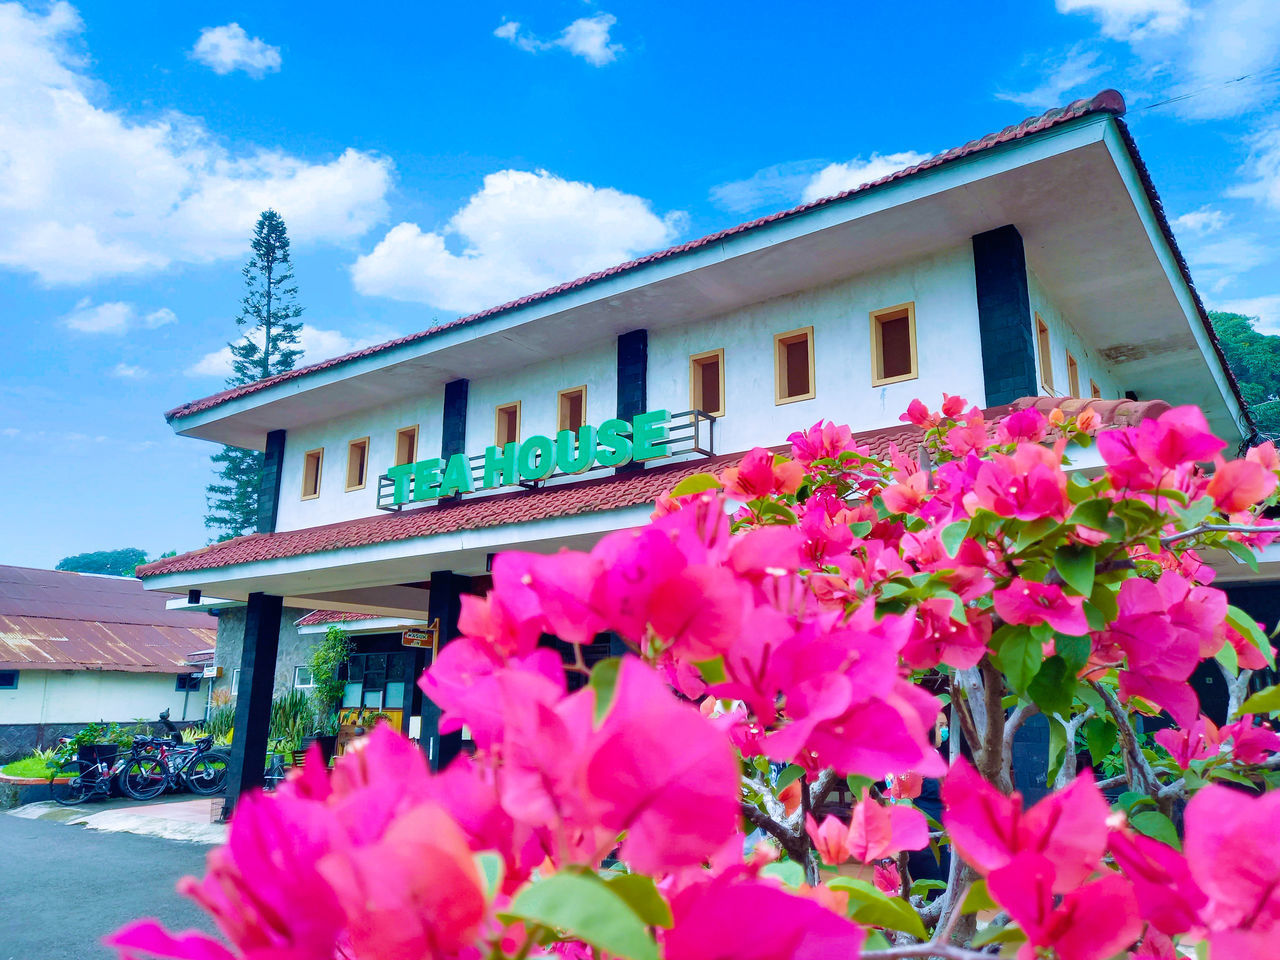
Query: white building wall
pixel 1063 338
pixel 87 696
pixel 949 355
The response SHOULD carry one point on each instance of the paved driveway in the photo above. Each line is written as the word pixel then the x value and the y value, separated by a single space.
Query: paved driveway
pixel 62 888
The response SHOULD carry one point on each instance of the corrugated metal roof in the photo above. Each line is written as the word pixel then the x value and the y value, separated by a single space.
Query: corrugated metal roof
pixel 52 620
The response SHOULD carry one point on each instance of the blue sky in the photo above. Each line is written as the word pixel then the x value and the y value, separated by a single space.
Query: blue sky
pixel 436 159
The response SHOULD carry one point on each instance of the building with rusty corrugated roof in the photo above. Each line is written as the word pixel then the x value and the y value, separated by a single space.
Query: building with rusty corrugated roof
pixel 76 648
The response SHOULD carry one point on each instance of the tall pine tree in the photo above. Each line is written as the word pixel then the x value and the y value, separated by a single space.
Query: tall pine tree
pixel 269 312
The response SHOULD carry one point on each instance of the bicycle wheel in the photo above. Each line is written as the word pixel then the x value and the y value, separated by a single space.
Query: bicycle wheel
pixel 207 773
pixel 72 782
pixel 144 778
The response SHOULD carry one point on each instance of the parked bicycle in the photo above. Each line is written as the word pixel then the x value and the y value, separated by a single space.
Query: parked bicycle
pixel 162 765
pixel 73 781
pixel 276 770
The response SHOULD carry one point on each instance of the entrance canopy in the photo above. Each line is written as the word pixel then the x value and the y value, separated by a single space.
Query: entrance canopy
pixel 382 565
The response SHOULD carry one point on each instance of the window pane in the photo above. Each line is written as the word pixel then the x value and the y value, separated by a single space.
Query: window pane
pixel 709 373
pixel 394 695
pixel 797 367
pixel 397 666
pixel 895 347
pixel 355 668
pixel 406 446
pixel 373 698
pixel 351 695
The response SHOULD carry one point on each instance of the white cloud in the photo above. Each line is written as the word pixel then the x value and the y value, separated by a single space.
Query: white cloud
pixel 228 48
pixel 158 318
pixel 1129 19
pixel 779 185
pixel 838 177
pixel 89 192
pixel 1203 221
pixel 1263 169
pixel 586 37
pixel 116 316
pixel 316 345
pixel 127 371
pixel 522 232
pixel 1266 309
pixel 113 317
pixel 1064 80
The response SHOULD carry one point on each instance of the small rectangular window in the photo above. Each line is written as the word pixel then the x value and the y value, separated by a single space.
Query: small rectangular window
pixel 1095 391
pixel 302 678
pixel 893 344
pixel 1073 376
pixel 1046 358
pixel 406 445
pixel 188 682
pixel 571 409
pixel 8 679
pixel 357 463
pixel 506 426
pixel 793 366
pixel 706 382
pixel 311 466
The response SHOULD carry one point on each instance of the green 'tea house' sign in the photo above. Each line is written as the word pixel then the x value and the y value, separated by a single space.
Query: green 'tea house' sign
pixel 611 444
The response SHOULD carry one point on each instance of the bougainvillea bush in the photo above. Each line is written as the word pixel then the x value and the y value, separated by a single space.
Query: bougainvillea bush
pixel 818 644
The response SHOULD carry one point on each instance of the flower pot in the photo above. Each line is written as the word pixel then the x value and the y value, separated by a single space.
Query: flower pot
pixel 328 744
pixel 98 753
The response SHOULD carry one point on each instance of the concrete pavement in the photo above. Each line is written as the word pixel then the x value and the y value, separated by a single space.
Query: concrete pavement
pixel 63 888
pixel 178 818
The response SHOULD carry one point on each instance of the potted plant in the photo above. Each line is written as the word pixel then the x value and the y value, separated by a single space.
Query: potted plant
pixel 326 669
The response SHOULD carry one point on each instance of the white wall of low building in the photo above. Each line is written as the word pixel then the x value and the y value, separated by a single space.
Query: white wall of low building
pixel 88 696
pixel 1063 338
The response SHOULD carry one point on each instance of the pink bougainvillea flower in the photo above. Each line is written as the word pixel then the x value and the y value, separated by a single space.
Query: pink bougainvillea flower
pixel 1264 454
pixel 709 924
pixel 906 786
pixel 1029 485
pixel 907 496
pixel 989 829
pixel 879 830
pixel 823 441
pixel 1142 457
pixel 1031 602
pixel 1251 743
pixel 1239 484
pixel 761 474
pixel 920 415
pixel 662 772
pixel 953 406
pixel 1091 922
pixel 1175 696
pixel 1167 895
pixel 415 893
pixel 146 939
pixel 887 879
pixel 1198 742
pixel 1024 426
pixel 938 638
pixel 830 840
pixel 1229 836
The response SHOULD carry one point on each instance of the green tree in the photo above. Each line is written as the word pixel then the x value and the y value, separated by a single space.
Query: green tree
pixel 269 313
pixel 1254 358
pixel 117 563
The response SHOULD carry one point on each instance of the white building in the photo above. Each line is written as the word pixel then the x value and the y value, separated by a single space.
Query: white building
pixel 80 648
pixel 1032 262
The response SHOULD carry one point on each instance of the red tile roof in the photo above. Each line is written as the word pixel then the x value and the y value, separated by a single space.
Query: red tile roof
pixel 1108 101
pixel 613 492
pixel 52 620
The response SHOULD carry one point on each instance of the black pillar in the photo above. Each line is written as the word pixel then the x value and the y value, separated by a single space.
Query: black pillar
pixel 1004 316
pixel 444 604
pixel 269 482
pixel 633 379
pixel 253 696
pixel 453 434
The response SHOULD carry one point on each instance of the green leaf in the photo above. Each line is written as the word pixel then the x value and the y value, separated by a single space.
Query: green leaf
pixel 1075 564
pixel 695 484
pixel 920 887
pixel 977 898
pixel 643 897
pixel 1033 532
pixel 788 871
pixel 1057 750
pixel 1074 650
pixel 712 670
pixel 1008 933
pixel 1019 656
pixel 1053 687
pixel 1195 514
pixel 1264 701
pixel 491 868
pixel 858 784
pixel 787 777
pixel 861 528
pixel 1241 553
pixel 1228 657
pixel 586 908
pixel 953 535
pixel 868 905
pixel 1104 598
pixel 1154 824
pixel 1092 513
pixel 1101 737
pixel 1247 627
pixel 772 508
pixel 604 681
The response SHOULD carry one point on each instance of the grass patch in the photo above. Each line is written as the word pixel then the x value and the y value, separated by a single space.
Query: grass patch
pixel 27 767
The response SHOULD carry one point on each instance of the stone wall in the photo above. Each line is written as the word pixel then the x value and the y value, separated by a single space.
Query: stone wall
pixel 295 649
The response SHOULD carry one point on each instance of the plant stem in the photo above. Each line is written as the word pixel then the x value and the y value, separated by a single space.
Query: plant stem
pixel 1216 528
pixel 934 948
